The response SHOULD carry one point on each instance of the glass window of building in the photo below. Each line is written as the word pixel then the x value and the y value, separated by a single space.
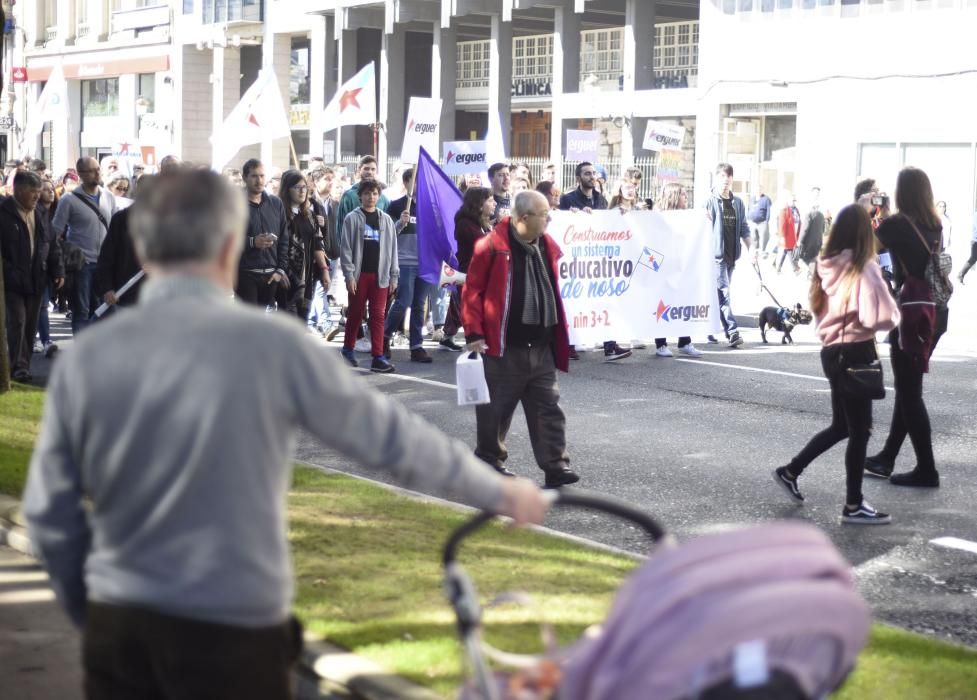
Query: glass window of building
pixel 100 98
pixel 299 82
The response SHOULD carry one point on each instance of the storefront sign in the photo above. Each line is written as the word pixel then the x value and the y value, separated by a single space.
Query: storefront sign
pixel 102 69
pixel 662 137
pixel 461 157
pixel 582 146
pixel 531 88
pixel 18 74
pixel 299 116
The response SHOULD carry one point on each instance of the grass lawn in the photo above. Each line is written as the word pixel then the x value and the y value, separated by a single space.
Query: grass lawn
pixel 20 415
pixel 368 578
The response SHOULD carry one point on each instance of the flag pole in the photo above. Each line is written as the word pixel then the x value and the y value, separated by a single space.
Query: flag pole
pixel 295 157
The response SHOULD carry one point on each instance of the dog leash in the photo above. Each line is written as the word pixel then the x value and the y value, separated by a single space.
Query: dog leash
pixel 763 286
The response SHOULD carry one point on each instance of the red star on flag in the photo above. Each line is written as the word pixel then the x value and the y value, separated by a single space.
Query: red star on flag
pixel 349 98
pixel 253 120
pixel 124 149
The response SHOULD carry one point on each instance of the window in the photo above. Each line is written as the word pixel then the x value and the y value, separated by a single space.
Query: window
pixel 601 53
pixel 146 90
pixel 100 98
pixel 473 64
pixel 299 82
pixel 532 56
pixel 188 7
pixel 677 49
pixel 50 19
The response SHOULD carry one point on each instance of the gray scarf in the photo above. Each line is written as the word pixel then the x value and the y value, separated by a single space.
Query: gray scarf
pixel 540 304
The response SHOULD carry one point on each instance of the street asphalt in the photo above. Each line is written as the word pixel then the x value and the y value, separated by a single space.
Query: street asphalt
pixel 694 443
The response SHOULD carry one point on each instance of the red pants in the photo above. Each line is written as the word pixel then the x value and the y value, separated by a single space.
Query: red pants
pixel 367 290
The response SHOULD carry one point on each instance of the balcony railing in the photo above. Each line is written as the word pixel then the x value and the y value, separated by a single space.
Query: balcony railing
pixel 50 33
pixel 81 30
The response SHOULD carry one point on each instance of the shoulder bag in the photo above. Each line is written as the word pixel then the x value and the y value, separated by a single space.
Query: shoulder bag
pixel 859 380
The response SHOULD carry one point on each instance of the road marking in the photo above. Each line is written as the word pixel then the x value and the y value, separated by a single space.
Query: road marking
pixel 758 369
pixel 409 378
pixel 955 543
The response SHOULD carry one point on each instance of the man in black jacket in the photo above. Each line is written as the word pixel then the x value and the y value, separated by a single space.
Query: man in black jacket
pixel 117 263
pixel 29 259
pixel 265 254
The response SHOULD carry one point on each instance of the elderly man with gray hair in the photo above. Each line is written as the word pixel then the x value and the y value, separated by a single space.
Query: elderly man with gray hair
pixel 156 493
pixel 512 311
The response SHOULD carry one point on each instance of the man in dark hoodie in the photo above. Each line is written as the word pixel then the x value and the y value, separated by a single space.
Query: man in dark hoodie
pixel 29 261
pixel 265 255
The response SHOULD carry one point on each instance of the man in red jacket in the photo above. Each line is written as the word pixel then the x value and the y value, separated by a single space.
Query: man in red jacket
pixel 512 312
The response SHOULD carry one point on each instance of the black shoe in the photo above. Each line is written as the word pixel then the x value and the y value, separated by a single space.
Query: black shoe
pixel 917 477
pixel 574 355
pixel 613 352
pixel 878 466
pixel 735 339
pixel 22 376
pixel 503 471
pixel 788 484
pixel 381 365
pixel 420 355
pixel 451 345
pixel 864 515
pixel 560 477
pixel 712 340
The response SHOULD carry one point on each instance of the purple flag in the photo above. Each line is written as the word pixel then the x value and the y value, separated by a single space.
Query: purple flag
pixel 438 200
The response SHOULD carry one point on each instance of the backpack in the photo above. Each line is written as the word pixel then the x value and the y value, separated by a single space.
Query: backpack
pixel 918 299
pixel 937 272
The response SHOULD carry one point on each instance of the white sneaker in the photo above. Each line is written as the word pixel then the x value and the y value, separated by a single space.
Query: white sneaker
pixel 437 336
pixel 690 350
pixel 638 345
pixel 663 351
pixel 38 346
pixel 363 345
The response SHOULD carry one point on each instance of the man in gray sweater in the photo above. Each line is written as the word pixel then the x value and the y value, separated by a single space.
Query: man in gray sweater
pixel 157 489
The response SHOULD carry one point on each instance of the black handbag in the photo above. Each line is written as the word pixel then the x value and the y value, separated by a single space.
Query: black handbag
pixel 860 380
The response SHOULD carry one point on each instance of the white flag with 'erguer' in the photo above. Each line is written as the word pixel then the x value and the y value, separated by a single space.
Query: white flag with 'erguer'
pixel 258 116
pixel 355 102
pixel 51 105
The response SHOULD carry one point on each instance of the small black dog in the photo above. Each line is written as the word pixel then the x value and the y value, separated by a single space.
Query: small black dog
pixel 784 320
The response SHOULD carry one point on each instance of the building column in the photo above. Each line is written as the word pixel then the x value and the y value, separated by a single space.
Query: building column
pixel 217 98
pixel 444 77
pixel 346 138
pixel 566 74
pixel 500 77
pixel 318 70
pixel 639 67
pixel 98 21
pixel 391 106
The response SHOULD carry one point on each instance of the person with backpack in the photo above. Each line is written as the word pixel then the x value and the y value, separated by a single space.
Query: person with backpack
pixel 851 302
pixel 913 238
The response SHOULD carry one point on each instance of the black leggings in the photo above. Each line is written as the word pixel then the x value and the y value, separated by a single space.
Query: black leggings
pixel 909 415
pixel 850 418
pixel 973 255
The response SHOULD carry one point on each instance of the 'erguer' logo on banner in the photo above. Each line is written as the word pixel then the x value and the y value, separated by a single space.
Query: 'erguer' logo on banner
pixel 421 127
pixel 465 158
pixel 667 312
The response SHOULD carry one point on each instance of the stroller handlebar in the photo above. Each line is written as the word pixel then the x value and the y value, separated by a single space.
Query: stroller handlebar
pixel 561 497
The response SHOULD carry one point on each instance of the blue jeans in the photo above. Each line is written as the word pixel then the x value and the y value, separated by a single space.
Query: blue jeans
pixel 319 316
pixel 723 275
pixel 43 320
pixel 83 298
pixel 412 292
pixel 438 304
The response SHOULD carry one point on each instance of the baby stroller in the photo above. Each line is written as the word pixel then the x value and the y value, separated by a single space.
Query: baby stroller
pixel 763 613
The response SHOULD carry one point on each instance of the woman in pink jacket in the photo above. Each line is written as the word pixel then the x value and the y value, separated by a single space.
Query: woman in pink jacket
pixel 851 302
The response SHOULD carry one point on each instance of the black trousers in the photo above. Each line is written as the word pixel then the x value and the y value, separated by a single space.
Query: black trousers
pixel 851 418
pixel 130 652
pixel 524 375
pixel 909 415
pixel 22 312
pixel 253 288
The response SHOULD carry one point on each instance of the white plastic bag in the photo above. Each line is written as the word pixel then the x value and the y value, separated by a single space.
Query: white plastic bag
pixel 470 378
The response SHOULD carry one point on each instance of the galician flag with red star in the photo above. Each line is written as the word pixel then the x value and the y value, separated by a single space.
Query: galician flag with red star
pixel 355 102
pixel 259 115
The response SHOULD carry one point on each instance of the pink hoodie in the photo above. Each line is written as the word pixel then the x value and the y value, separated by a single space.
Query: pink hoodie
pixel 871 307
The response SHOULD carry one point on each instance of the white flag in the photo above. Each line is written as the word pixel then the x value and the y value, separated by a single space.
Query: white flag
pixel 259 115
pixel 355 102
pixel 421 131
pixel 51 105
pixel 494 144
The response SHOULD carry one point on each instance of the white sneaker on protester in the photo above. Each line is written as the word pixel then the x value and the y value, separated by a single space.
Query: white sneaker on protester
pixel 690 350
pixel 363 345
pixel 663 351
pixel 38 346
pixel 638 345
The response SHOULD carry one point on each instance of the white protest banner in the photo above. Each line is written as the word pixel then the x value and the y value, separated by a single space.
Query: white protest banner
pixel 423 118
pixel 461 157
pixel 644 274
pixel 660 136
pixel 582 145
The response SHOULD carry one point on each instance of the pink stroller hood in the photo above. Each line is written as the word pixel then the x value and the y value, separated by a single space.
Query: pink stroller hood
pixel 734 605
